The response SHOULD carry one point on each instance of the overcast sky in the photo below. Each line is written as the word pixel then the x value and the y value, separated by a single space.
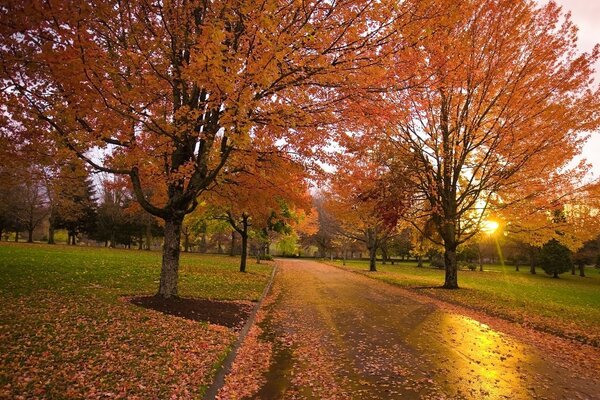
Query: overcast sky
pixel 586 15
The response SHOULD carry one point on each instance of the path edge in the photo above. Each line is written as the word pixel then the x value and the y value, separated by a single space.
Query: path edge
pixel 225 368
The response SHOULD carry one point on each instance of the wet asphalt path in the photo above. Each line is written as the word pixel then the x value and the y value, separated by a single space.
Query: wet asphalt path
pixel 341 335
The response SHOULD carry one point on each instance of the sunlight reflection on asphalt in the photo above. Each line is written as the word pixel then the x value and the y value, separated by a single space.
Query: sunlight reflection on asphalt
pixel 476 360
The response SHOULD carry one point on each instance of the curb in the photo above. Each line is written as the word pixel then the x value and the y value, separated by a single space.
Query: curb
pixel 219 380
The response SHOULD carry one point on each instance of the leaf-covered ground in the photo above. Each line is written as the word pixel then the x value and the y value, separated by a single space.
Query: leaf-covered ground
pixel 568 307
pixel 338 335
pixel 66 330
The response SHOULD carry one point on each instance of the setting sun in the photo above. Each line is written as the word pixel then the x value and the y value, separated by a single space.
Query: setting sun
pixel 489 227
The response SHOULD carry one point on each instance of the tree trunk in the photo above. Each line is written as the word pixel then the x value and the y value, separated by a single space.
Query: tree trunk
pixel 532 261
pixel 51 233
pixel 451 280
pixel 517 266
pixel 148 236
pixel 480 258
pixel 30 235
pixel 372 259
pixel 573 269
pixel 16 236
pixel 186 241
pixel 141 241
pixel 232 249
pixel 582 270
pixel 169 272
pixel 384 254
pixel 244 251
pixel 555 275
pixel 112 239
pixel 420 261
pixel 203 245
pixel 244 234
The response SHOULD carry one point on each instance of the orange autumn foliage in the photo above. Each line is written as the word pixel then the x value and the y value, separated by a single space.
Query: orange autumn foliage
pixel 497 109
pixel 168 93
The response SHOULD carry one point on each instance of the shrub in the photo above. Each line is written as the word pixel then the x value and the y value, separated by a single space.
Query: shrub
pixel 555 258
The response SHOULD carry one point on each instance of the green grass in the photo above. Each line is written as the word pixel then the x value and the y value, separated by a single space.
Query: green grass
pixel 569 306
pixel 65 330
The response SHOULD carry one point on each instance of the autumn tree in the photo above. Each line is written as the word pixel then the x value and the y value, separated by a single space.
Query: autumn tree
pixel 587 255
pixel 171 91
pixel 23 196
pixel 73 200
pixel 365 203
pixel 33 201
pixel 499 106
pixel 567 213
pixel 255 200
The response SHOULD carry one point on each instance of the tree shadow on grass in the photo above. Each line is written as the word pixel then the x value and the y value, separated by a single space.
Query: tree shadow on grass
pixel 426 287
pixel 231 314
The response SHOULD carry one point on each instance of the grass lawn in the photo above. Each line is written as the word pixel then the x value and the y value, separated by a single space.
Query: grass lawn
pixel 569 306
pixel 66 332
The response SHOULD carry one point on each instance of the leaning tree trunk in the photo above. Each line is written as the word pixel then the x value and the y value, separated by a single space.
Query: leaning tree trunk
pixel 170 260
pixel 244 251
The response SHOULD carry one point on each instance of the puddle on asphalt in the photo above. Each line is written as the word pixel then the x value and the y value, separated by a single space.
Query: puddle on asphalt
pixel 278 375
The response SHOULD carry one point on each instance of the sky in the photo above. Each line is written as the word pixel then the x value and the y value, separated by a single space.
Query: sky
pixel 586 15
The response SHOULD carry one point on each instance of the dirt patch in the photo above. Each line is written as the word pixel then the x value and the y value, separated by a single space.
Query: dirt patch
pixel 232 314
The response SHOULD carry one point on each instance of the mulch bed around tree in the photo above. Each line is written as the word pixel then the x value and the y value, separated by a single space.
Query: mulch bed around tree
pixel 232 314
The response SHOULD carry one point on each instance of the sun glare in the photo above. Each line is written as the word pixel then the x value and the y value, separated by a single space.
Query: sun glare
pixel 489 227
